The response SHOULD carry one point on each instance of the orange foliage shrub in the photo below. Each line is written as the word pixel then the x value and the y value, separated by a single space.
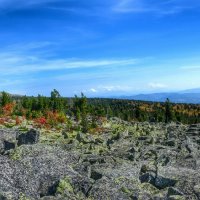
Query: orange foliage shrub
pixel 18 121
pixel 41 121
pixel 8 109
pixel 55 118
pixel 50 119
pixel 2 121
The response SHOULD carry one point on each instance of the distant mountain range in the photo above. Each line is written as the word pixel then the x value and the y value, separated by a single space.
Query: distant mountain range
pixel 186 96
pixel 195 90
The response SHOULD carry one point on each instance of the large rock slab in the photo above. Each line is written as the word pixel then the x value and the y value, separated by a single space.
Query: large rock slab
pixel 30 137
pixel 128 161
pixel 7 139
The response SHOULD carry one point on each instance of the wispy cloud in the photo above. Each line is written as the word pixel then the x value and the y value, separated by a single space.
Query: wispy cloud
pixel 93 90
pixel 13 62
pixel 89 7
pixel 103 7
pixel 127 6
pixel 155 6
pixel 30 46
pixel 106 89
pixel 157 85
pixel 17 4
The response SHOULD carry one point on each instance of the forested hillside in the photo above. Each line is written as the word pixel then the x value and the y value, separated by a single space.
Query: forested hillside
pixel 55 109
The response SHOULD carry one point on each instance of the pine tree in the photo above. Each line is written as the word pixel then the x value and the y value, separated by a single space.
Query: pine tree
pixel 80 106
pixel 5 98
pixel 168 111
pixel 56 101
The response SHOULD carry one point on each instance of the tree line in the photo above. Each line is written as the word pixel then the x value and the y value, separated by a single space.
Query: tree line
pixel 82 108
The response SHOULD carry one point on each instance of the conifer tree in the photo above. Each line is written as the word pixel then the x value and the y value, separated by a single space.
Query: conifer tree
pixel 81 109
pixel 5 99
pixel 168 111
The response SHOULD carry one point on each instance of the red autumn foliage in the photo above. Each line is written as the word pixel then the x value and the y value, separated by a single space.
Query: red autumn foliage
pixel 55 117
pixel 2 121
pixel 8 109
pixel 41 121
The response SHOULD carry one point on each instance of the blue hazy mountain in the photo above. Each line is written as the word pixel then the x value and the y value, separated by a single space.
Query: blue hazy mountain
pixel 195 90
pixel 187 96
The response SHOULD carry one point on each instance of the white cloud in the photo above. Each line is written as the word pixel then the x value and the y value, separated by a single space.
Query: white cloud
pixel 13 4
pixel 30 46
pixel 157 7
pixel 108 88
pixel 122 6
pixel 111 88
pixel 93 90
pixel 157 85
pixel 127 6
pixel 13 63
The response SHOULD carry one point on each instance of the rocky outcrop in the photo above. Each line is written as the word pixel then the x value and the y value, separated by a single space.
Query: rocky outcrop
pixel 128 161
pixel 7 140
pixel 10 139
pixel 30 137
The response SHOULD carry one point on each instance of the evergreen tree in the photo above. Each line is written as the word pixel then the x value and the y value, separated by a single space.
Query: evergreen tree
pixel 137 112
pixel 56 101
pixel 80 106
pixel 55 94
pixel 168 111
pixel 5 99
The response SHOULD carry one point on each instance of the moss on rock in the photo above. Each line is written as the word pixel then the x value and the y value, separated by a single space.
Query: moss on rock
pixel 64 185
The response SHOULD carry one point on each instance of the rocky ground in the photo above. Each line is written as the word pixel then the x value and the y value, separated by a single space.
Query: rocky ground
pixel 126 161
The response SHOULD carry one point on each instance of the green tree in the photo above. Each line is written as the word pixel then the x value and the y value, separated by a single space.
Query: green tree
pixel 5 99
pixel 168 111
pixel 55 94
pixel 80 106
pixel 137 112
pixel 56 101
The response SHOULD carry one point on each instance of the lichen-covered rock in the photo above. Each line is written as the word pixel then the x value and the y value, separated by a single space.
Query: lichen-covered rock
pixel 137 161
pixel 163 182
pixel 104 189
pixel 30 137
pixel 7 140
pixel 197 190
pixel 173 191
pixel 37 170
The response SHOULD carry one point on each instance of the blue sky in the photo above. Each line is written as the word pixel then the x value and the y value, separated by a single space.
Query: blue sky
pixel 99 47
